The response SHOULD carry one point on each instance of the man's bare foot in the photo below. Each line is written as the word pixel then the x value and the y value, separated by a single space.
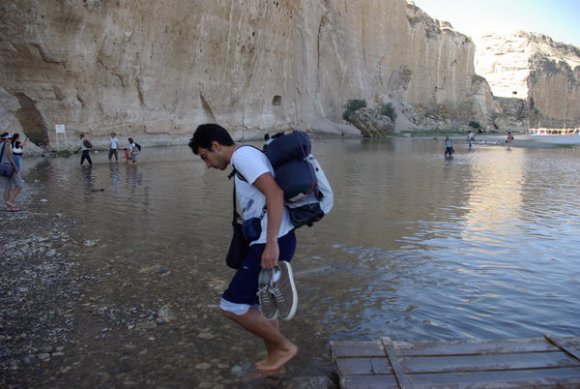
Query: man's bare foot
pixel 277 359
pixel 262 362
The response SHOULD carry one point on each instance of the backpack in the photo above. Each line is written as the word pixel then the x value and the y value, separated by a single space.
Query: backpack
pixel 138 146
pixel 307 192
pixel 87 144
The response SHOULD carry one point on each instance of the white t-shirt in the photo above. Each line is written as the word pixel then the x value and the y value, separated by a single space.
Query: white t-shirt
pixel 251 163
pixel 114 143
pixel 133 148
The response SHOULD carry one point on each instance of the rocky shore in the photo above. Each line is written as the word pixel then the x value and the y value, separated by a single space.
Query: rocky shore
pixel 69 318
pixel 37 294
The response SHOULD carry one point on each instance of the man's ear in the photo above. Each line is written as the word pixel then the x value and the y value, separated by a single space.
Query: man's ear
pixel 216 146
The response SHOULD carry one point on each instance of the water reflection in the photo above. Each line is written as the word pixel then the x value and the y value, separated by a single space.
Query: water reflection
pixel 417 247
pixel 89 180
pixel 115 177
pixel 134 178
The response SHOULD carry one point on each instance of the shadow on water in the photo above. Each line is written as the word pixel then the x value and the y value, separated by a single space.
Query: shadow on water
pixel 418 247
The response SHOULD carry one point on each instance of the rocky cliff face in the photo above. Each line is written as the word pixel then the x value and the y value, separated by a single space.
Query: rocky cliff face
pixel 542 74
pixel 159 69
pixel 443 87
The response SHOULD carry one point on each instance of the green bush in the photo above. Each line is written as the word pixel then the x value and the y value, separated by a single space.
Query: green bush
pixel 351 106
pixel 389 110
pixel 475 125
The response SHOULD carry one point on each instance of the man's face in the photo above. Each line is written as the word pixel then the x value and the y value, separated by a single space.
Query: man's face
pixel 213 157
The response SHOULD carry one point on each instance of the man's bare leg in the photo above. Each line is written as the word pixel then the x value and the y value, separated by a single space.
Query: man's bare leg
pixel 280 349
pixel 270 347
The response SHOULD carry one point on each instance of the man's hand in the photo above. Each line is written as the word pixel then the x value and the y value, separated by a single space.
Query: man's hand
pixel 270 255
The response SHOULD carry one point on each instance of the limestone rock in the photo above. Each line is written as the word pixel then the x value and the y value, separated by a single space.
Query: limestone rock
pixel 156 70
pixel 541 74
pixel 441 61
pixel 371 124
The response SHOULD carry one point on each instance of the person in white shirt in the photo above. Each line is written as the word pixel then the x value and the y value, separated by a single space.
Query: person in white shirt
pixel 113 147
pixel 273 246
pixel 470 139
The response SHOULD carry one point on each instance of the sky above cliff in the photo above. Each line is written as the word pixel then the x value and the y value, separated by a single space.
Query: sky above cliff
pixel 556 18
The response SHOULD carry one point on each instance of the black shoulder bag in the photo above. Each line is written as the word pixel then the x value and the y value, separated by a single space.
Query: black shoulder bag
pixel 6 168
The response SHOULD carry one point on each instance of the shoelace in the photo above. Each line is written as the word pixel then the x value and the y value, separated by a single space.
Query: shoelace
pixel 278 296
pixel 264 293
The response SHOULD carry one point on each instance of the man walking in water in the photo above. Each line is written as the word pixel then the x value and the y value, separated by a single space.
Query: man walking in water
pixel 258 196
pixel 85 149
pixel 510 139
pixel 448 147
pixel 470 138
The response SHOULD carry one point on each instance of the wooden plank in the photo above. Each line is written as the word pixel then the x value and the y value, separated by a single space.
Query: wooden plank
pixel 568 345
pixel 362 366
pixel 357 349
pixel 466 347
pixel 511 363
pixel 369 382
pixel 471 363
pixel 397 368
pixel 540 378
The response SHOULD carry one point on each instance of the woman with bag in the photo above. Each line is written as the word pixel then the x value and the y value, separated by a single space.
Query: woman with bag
pixel 9 175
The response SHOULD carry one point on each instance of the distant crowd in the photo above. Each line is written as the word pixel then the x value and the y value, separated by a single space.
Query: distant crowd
pixel 131 152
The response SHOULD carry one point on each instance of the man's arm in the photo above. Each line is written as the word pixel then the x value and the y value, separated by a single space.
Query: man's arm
pixel 275 208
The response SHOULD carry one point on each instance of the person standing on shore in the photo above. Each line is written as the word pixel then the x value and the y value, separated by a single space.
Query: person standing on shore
pixel 113 146
pixel 11 185
pixel 85 148
pixel 259 196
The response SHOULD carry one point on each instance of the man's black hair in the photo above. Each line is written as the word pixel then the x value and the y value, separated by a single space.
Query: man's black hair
pixel 207 133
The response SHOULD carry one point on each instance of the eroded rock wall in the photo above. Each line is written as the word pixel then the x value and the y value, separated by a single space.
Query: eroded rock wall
pixel 443 82
pixel 159 69
pixel 542 75
pixel 554 94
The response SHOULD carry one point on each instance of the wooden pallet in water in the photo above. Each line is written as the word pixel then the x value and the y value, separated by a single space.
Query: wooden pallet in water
pixel 549 362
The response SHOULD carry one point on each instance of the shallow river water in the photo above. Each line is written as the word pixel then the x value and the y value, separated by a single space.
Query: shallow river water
pixel 418 247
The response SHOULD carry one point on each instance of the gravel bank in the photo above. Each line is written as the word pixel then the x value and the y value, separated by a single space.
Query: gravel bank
pixel 69 318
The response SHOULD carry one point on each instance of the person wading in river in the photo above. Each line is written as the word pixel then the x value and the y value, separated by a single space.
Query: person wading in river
pixel 273 249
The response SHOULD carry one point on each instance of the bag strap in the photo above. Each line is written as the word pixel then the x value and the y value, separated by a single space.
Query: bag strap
pixel 235 215
pixel 235 172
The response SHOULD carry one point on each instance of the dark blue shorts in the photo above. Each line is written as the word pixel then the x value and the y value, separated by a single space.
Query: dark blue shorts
pixel 243 287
